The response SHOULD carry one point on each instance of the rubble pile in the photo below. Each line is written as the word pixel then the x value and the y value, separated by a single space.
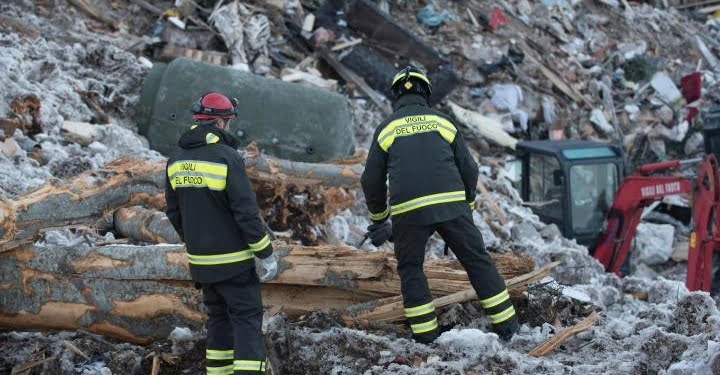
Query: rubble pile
pixel 507 71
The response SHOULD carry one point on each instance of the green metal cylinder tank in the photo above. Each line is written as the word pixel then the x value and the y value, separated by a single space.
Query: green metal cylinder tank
pixel 286 120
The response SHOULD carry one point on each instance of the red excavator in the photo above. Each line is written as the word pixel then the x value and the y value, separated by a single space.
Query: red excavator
pixel 580 186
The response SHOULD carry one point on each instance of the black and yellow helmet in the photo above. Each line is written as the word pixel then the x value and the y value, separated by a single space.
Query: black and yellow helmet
pixel 411 80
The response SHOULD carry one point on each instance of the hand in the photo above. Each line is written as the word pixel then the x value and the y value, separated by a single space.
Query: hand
pixel 379 233
pixel 267 268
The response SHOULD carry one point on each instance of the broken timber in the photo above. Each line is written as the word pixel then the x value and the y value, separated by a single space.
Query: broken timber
pixel 139 293
pixel 391 309
pixel 144 225
pixel 131 181
pixel 551 344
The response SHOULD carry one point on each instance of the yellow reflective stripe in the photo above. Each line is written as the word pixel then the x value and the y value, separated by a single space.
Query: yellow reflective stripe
pixel 424 327
pixel 218 169
pixel 410 125
pixel 244 365
pixel 419 310
pixel 427 200
pixel 193 127
pixel 503 316
pixel 219 354
pixel 414 120
pixel 224 370
pixel 412 74
pixel 211 138
pixel 207 260
pixel 260 245
pixel 472 204
pixel 496 299
pixel 197 174
pixel 197 179
pixel 381 215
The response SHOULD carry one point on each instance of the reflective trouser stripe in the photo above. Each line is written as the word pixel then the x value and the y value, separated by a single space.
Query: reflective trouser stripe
pixel 452 196
pixel 207 260
pixel 503 316
pixel 419 310
pixel 381 215
pixel 496 299
pixel 224 370
pixel 244 365
pixel 219 354
pixel 424 327
pixel 260 245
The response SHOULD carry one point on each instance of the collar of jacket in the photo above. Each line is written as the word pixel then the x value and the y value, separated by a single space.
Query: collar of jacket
pixel 410 99
pixel 205 134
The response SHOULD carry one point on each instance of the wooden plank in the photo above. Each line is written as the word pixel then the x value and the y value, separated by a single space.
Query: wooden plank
pixel 697 4
pixel 551 344
pixel 555 78
pixel 391 309
pixel 348 44
pixel 94 13
pixel 17 370
pixel 499 213
pixel 350 76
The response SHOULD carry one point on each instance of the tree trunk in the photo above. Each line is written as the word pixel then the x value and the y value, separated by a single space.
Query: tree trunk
pixel 139 293
pixel 81 200
pixel 141 224
pixel 291 195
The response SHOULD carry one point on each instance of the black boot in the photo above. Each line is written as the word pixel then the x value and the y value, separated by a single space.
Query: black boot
pixel 507 329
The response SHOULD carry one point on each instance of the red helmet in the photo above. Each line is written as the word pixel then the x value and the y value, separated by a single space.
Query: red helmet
pixel 214 105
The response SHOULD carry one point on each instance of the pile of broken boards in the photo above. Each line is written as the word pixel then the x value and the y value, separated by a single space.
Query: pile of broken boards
pixel 593 69
pixel 596 69
pixel 606 70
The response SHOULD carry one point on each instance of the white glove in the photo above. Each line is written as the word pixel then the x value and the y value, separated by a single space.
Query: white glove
pixel 267 269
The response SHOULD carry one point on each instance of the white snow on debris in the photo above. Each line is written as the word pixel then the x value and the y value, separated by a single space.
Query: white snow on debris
pixel 470 341
pixel 653 244
pixel 182 339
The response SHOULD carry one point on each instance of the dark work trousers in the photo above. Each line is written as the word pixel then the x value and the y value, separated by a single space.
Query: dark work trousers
pixel 235 342
pixel 466 242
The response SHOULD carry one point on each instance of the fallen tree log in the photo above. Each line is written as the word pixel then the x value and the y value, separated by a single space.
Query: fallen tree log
pixel 81 200
pixel 140 293
pixel 144 225
pixel 291 195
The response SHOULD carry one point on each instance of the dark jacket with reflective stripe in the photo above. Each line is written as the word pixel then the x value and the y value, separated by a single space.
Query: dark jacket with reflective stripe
pixel 432 174
pixel 212 206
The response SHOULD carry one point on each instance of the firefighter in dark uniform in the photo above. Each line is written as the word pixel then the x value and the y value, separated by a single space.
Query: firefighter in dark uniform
pixel 432 180
pixel 212 206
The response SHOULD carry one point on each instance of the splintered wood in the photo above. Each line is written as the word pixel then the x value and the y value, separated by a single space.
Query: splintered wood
pixel 551 344
pixel 391 309
pixel 139 293
pixel 130 181
pixel 81 200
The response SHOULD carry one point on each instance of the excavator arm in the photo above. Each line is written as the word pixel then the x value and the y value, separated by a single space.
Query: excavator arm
pixel 644 187
pixel 705 237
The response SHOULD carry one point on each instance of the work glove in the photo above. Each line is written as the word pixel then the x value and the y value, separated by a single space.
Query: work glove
pixel 267 269
pixel 379 233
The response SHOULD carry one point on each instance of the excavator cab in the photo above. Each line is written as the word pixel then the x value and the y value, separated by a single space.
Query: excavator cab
pixel 571 184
